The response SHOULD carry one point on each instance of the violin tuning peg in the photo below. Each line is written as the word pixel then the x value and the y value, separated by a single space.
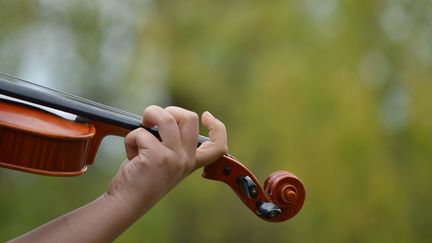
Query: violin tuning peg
pixel 268 210
pixel 247 186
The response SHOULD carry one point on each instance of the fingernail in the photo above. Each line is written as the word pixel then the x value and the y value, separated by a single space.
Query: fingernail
pixel 209 114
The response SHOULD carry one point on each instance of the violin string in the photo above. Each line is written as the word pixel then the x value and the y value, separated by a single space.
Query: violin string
pixel 76 98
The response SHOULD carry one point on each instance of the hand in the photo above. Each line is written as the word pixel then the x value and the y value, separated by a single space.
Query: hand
pixel 154 167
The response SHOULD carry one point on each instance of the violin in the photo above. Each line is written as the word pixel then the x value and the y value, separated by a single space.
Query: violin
pixel 49 132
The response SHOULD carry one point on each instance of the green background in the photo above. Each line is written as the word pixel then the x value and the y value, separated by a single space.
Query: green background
pixel 337 92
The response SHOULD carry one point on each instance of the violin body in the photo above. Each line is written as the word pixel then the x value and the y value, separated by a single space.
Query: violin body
pixel 37 141
pixel 34 139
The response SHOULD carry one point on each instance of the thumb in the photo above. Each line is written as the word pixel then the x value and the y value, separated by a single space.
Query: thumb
pixel 216 146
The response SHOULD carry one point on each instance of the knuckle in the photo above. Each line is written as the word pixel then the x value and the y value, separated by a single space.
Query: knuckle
pixel 130 135
pixel 141 157
pixel 192 116
pixel 167 158
pixel 171 108
pixel 167 118
pixel 151 109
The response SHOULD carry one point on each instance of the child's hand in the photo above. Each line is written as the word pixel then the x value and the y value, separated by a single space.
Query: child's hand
pixel 154 167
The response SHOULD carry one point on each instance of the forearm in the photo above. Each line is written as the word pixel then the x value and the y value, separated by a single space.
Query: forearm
pixel 102 220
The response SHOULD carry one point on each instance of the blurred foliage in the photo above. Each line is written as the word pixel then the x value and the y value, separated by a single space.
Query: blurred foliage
pixel 338 92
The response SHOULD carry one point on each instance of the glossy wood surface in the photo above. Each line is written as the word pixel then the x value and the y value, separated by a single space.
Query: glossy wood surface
pixel 37 141
pixel 286 191
pixel 102 130
pixel 39 122
pixel 282 188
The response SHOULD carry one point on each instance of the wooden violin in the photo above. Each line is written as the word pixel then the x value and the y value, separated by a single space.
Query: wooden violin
pixel 36 138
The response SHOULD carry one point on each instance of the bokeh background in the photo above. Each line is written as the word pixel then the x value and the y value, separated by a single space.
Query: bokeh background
pixel 338 92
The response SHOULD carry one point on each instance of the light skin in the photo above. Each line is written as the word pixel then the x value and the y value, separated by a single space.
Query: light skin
pixel 151 169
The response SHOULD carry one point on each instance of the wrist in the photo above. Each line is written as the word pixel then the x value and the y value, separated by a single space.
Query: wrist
pixel 134 192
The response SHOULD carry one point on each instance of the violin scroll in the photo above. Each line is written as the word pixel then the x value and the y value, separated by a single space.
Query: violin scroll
pixel 286 191
pixel 280 199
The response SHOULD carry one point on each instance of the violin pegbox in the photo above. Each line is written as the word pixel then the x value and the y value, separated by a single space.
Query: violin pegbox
pixel 281 198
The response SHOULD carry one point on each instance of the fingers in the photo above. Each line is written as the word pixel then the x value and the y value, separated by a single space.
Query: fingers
pixel 188 123
pixel 167 125
pixel 139 138
pixel 179 130
pixel 217 146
